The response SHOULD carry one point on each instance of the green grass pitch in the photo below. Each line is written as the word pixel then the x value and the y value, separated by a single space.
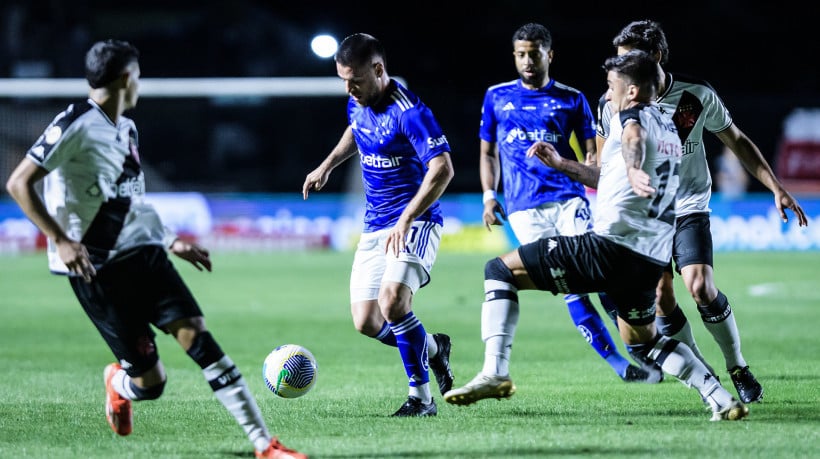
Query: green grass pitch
pixel 569 403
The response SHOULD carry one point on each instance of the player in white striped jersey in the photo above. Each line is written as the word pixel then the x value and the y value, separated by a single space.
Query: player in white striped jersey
pixel 406 166
pixel 695 107
pixel 112 246
pixel 624 255
pixel 538 200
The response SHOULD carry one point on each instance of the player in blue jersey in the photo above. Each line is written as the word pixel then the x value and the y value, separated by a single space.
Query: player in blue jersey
pixel 406 166
pixel 625 253
pixel 113 247
pixel 695 108
pixel 541 201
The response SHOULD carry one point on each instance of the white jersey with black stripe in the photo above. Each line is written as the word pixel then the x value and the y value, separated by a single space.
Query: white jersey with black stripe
pixel 694 107
pixel 644 225
pixel 96 188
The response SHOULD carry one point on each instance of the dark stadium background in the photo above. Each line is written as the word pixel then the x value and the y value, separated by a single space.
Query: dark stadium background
pixel 761 59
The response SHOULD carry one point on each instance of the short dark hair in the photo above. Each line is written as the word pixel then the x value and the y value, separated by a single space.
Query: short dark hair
pixel 645 35
pixel 638 67
pixel 533 32
pixel 107 59
pixel 359 49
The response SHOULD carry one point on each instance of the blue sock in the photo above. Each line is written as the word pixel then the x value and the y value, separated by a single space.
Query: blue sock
pixel 592 327
pixel 386 335
pixel 411 338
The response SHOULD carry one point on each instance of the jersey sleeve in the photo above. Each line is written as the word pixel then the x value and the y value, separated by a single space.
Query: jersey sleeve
pixel 717 115
pixel 55 145
pixel 424 133
pixel 487 129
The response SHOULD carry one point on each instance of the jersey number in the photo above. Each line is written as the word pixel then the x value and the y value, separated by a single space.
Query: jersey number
pixel 667 213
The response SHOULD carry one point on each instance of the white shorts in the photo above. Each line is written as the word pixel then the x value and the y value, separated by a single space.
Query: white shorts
pixel 372 266
pixel 564 218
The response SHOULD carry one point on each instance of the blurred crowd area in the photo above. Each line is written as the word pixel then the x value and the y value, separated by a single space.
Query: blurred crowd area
pixel 268 144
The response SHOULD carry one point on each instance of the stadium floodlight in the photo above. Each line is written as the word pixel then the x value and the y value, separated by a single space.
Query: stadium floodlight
pixel 324 46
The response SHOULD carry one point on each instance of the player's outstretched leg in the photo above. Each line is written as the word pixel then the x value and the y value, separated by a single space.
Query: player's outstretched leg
pixel 499 318
pixel 678 360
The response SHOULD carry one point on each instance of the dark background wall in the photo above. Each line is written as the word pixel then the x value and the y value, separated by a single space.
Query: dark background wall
pixel 761 59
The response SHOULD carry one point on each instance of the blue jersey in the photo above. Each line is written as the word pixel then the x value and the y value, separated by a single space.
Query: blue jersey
pixel 514 117
pixel 396 139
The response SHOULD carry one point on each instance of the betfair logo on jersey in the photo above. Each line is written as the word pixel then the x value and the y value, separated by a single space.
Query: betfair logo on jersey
pixel 517 134
pixel 127 188
pixel 673 149
pixel 380 162
pixel 690 146
pixel 437 142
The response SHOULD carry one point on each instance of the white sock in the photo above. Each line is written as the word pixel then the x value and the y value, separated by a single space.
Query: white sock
pixel 728 339
pixel 684 335
pixel 499 318
pixel 121 383
pixel 681 362
pixel 237 399
pixel 423 392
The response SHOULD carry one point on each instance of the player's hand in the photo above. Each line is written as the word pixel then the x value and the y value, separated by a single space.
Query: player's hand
pixel 545 152
pixel 75 257
pixel 640 181
pixel 395 242
pixel 314 181
pixel 198 256
pixel 784 200
pixel 492 210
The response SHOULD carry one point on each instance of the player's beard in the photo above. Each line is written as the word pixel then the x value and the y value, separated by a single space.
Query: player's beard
pixel 536 80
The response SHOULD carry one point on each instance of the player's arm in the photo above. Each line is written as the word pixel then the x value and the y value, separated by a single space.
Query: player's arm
pixel 754 162
pixel 21 187
pixel 344 149
pixel 633 149
pixel 490 173
pixel 439 174
pixel 580 172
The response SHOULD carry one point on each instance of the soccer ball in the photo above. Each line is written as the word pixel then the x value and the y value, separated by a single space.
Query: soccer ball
pixel 289 371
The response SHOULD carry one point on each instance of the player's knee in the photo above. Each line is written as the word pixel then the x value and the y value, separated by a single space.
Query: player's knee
pixel 204 350
pixel 148 393
pixel 700 286
pixel 495 269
